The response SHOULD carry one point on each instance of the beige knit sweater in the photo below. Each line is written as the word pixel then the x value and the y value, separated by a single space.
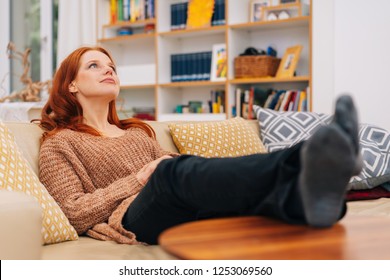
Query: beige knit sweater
pixel 92 178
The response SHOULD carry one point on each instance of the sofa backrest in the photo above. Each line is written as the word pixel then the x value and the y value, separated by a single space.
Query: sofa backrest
pixel 28 135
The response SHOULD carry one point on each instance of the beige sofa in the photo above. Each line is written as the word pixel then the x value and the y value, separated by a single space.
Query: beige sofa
pixel 16 243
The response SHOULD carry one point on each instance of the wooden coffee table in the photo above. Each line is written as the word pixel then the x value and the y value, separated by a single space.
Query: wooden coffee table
pixel 354 237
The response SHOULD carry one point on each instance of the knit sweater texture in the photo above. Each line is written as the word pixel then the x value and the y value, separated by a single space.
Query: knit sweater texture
pixel 93 180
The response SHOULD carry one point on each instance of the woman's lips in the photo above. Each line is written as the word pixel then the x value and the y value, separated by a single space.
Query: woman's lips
pixel 108 80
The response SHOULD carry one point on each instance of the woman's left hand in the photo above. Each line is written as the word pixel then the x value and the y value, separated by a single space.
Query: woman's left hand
pixel 147 170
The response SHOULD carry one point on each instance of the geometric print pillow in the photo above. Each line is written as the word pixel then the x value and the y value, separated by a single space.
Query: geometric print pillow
pixel 16 175
pixel 228 138
pixel 280 130
pixel 375 149
pixel 287 128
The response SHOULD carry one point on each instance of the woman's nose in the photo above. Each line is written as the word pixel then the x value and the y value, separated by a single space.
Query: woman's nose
pixel 108 70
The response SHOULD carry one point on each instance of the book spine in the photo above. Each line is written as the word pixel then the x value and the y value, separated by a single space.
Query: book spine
pixel 113 12
pixel 238 102
pixel 173 19
pixel 250 102
pixel 126 10
pixel 208 66
pixel 222 19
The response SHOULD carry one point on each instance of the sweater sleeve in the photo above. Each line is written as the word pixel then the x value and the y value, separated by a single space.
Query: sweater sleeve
pixel 68 182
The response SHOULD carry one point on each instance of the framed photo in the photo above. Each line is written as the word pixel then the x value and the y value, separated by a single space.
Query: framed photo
pixel 256 9
pixel 219 63
pixel 289 62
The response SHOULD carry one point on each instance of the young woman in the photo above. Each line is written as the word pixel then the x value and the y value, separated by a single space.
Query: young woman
pixel 114 182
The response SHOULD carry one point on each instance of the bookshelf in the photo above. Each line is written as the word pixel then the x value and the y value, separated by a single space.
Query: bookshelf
pixel 144 59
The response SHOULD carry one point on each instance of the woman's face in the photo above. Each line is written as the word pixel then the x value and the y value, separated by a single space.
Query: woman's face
pixel 96 78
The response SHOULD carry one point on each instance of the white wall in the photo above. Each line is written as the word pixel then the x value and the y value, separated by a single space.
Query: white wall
pixel 351 53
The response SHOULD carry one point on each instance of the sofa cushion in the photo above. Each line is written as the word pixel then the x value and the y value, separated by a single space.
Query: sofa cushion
pixel 280 130
pixel 229 138
pixel 87 248
pixel 17 175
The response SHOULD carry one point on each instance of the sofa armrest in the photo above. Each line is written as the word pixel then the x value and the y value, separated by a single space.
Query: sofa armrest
pixel 21 224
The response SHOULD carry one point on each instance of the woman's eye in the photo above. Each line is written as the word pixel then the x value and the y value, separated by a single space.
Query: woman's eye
pixel 93 65
pixel 113 69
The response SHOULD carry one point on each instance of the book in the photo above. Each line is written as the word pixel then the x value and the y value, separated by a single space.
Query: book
pixel 286 100
pixel 200 13
pixel 250 102
pixel 113 12
pixel 238 102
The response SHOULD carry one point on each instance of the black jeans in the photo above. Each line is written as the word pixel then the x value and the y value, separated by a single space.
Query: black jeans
pixel 189 188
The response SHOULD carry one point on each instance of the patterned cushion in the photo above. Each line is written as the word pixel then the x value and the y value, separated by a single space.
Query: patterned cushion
pixel 16 175
pixel 280 130
pixel 230 138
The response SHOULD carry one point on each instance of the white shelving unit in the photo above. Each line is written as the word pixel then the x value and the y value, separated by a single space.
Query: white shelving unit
pixel 144 64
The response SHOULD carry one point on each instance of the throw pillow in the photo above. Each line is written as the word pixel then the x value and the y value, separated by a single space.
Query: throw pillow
pixel 229 138
pixel 16 175
pixel 280 130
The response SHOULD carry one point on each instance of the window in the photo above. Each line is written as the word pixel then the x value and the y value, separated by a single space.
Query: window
pixel 33 24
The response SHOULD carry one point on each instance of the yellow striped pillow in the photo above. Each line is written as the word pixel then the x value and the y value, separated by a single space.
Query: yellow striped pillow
pixel 17 175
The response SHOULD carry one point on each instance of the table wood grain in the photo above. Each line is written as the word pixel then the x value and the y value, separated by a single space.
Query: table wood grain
pixel 354 237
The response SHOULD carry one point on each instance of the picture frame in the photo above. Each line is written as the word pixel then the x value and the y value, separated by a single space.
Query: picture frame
pixel 256 9
pixel 219 63
pixel 289 62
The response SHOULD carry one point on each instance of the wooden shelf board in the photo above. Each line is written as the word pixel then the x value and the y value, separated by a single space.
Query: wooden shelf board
pixel 127 38
pixel 138 23
pixel 193 84
pixel 269 80
pixel 151 86
pixel 273 24
pixel 219 29
pixel 191 117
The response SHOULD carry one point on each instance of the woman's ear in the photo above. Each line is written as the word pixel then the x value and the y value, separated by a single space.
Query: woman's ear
pixel 72 87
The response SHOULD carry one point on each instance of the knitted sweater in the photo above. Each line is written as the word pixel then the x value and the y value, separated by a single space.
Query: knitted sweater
pixel 92 178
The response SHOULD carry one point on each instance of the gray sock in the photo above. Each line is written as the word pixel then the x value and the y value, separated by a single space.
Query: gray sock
pixel 329 160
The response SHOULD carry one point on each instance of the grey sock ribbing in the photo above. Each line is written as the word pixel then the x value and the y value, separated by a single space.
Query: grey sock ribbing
pixel 329 159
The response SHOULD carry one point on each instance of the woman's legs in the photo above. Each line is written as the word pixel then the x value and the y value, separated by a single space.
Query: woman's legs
pixel 188 188
pixel 303 184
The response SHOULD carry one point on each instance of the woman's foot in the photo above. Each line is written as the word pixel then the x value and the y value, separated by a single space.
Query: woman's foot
pixel 329 159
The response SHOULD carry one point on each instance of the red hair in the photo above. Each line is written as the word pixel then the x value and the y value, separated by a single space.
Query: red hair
pixel 62 109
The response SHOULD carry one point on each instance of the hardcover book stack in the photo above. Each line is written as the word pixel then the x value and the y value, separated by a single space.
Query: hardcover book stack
pixel 131 10
pixel 278 100
pixel 190 67
pixel 179 16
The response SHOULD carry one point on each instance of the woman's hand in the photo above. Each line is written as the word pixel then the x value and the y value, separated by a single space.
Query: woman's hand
pixel 147 170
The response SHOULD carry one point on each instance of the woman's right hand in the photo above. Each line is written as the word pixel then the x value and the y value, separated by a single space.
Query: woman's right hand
pixel 147 170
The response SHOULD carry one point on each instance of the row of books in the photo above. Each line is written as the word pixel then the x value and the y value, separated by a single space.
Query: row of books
pixel 131 10
pixel 287 100
pixel 215 105
pixel 179 13
pixel 278 100
pixel 191 66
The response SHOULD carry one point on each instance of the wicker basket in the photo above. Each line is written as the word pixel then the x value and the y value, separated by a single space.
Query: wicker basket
pixel 255 66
